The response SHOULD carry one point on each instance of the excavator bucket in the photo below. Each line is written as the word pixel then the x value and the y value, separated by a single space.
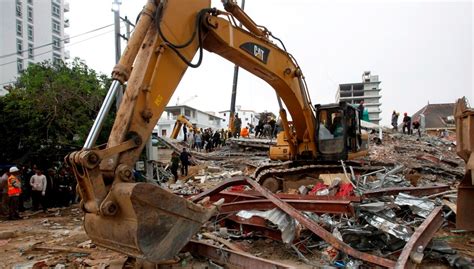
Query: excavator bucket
pixel 150 223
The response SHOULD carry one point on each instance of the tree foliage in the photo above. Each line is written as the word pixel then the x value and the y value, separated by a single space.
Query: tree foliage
pixel 50 110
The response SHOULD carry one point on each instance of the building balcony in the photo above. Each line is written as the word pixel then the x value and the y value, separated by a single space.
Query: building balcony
pixel 66 23
pixel 66 39
pixel 67 55
pixel 372 104
pixel 66 7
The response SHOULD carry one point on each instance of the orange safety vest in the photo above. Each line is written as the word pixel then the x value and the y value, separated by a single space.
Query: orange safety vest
pixel 244 132
pixel 13 191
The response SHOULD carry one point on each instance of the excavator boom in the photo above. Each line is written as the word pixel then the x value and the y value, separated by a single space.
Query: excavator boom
pixel 180 121
pixel 141 219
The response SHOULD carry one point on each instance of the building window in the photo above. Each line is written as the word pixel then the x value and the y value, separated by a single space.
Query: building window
pixel 163 132
pixel 19 47
pixel 18 8
pixel 19 28
pixel 56 27
pixel 56 10
pixel 30 32
pixel 19 65
pixel 30 14
pixel 30 51
pixel 30 2
pixel 56 58
pixel 56 43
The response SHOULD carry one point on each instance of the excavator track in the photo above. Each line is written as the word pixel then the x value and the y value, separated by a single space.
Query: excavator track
pixel 275 172
pixel 261 168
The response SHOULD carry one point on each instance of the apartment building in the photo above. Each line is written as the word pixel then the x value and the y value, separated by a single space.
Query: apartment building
pixel 368 91
pixel 198 118
pixel 31 31
pixel 247 116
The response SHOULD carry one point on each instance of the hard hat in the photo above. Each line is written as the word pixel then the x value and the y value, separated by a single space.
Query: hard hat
pixel 14 169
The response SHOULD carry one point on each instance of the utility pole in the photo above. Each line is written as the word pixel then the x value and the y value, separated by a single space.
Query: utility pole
pixel 128 23
pixel 234 90
pixel 118 50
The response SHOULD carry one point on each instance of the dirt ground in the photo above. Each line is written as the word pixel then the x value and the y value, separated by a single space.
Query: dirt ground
pixel 57 239
pixel 52 237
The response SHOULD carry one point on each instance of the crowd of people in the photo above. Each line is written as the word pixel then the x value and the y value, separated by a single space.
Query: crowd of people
pixel 408 125
pixel 33 188
pixel 206 139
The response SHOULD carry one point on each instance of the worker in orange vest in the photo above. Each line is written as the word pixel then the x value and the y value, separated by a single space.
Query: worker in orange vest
pixel 14 191
pixel 244 132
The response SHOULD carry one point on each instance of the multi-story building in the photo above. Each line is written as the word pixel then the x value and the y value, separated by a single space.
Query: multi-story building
pixel 368 91
pixel 247 116
pixel 30 31
pixel 198 118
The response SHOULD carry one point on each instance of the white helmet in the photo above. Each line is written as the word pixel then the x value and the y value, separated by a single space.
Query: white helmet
pixel 14 169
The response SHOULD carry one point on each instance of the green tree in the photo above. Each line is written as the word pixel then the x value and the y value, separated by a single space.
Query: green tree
pixel 50 110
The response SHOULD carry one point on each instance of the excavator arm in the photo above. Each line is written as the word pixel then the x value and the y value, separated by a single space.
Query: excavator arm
pixel 180 121
pixel 141 219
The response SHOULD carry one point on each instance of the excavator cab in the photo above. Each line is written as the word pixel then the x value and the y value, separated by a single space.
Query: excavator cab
pixel 339 135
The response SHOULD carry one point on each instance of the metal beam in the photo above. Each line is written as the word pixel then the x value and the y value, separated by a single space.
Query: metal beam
pixel 412 253
pixel 318 230
pixel 416 191
pixel 337 207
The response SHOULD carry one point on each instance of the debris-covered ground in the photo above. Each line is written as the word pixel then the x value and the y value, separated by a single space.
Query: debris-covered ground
pixel 375 215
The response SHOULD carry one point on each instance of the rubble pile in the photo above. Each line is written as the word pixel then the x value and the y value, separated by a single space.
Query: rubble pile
pixel 426 160
pixel 400 212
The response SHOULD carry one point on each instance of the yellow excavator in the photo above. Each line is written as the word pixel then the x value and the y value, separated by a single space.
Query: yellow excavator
pixel 180 121
pixel 143 220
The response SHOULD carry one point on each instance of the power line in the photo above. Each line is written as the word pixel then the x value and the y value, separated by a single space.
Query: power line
pixel 75 43
pixel 45 45
pixel 68 45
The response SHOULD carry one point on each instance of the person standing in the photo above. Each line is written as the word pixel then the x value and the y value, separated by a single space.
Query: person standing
pixel 216 139
pixel 267 130
pixel 38 185
pixel 361 109
pixel 51 189
pixel 184 157
pixel 174 165
pixel 14 191
pixel 4 193
pixel 223 137
pixel 185 131
pixel 416 126
pixel 406 124
pixel 395 120
pixel 237 125
pixel 198 141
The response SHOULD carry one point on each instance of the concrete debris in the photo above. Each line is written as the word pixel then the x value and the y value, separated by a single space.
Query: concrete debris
pixel 371 207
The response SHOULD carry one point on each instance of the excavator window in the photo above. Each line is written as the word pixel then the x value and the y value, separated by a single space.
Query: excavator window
pixel 331 132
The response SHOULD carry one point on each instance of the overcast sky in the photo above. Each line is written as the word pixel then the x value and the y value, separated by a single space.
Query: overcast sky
pixel 422 51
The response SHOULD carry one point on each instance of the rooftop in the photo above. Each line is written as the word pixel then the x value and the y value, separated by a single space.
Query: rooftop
pixel 191 108
pixel 437 116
